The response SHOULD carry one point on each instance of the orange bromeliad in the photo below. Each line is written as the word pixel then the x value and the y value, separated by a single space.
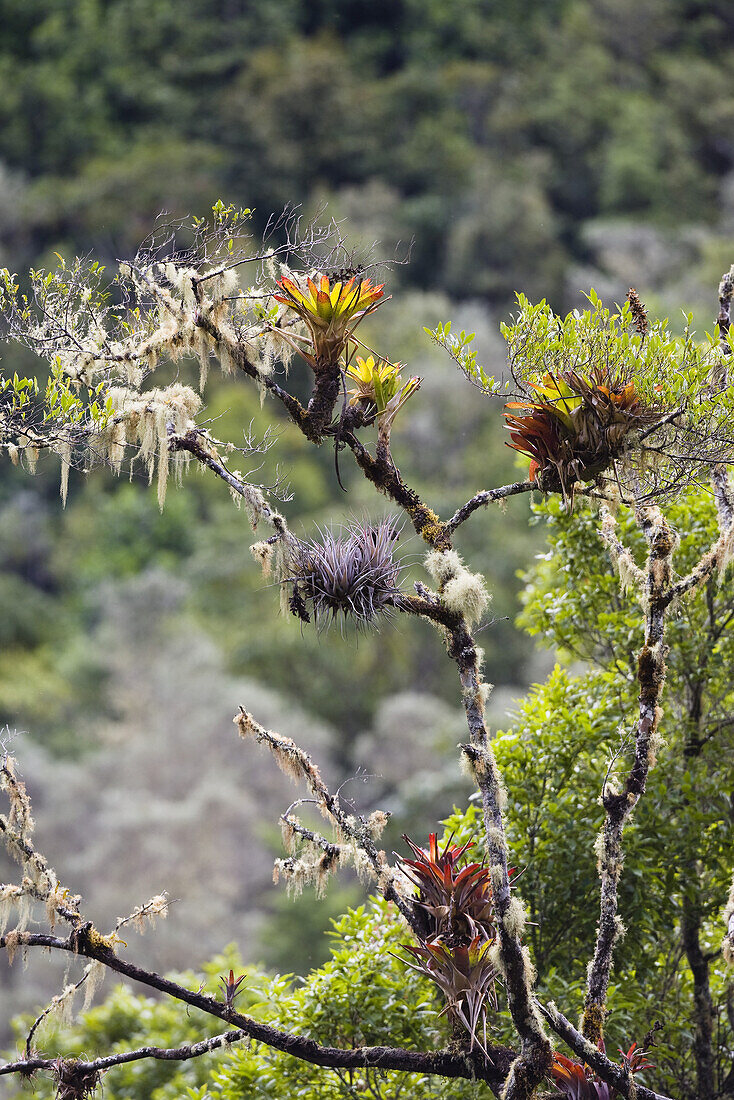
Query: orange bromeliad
pixel 576 426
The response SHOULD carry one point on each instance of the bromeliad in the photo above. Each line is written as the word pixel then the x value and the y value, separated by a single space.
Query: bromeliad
pixel 456 930
pixel 379 384
pixel 456 901
pixel 576 426
pixel 466 976
pixel 331 314
pixel 578 1082
pixel 231 988
pixel 353 575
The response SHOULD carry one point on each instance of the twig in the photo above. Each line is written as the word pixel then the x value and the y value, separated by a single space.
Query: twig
pixel 192 442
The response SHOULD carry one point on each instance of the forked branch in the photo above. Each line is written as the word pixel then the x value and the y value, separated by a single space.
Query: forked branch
pixel 355 835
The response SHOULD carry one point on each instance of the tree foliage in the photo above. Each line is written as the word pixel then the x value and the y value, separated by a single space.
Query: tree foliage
pixel 479 134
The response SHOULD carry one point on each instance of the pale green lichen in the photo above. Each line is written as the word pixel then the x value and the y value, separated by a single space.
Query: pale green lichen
pixel 463 592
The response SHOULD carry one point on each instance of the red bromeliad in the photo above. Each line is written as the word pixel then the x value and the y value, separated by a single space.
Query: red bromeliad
pixel 466 977
pixel 456 917
pixel 231 988
pixel 457 901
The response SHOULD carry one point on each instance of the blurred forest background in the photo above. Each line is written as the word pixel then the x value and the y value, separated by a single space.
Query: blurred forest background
pixel 544 146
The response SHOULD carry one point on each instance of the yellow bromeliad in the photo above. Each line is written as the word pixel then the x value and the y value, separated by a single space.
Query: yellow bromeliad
pixel 324 304
pixel 560 398
pixel 380 383
pixel 331 313
pixel 376 382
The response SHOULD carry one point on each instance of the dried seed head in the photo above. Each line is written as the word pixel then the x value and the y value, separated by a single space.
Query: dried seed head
pixel 639 313
pixel 352 573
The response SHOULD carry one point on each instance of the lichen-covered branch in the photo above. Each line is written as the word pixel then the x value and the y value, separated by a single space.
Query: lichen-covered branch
pixel 534 1060
pixel 440 1063
pixel 723 320
pixel 589 1053
pixel 722 551
pixel 728 942
pixel 355 834
pixel 463 595
pixel 618 802
pixel 39 881
pixel 630 574
pixel 724 496
pixel 196 443
pixel 388 480
pixel 485 497
pixel 29 1065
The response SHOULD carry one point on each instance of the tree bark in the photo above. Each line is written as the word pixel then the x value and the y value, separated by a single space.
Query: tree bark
pixel 703 1004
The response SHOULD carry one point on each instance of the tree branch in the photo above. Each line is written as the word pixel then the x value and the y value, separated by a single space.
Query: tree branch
pixel 487 496
pixel 296 763
pixel 721 552
pixel 703 1052
pixel 609 1071
pixel 629 572
pixel 724 496
pixel 192 443
pixel 533 1062
pixel 619 804
pixel 30 1065
pixel 386 477
pixel 238 353
pixel 442 1063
